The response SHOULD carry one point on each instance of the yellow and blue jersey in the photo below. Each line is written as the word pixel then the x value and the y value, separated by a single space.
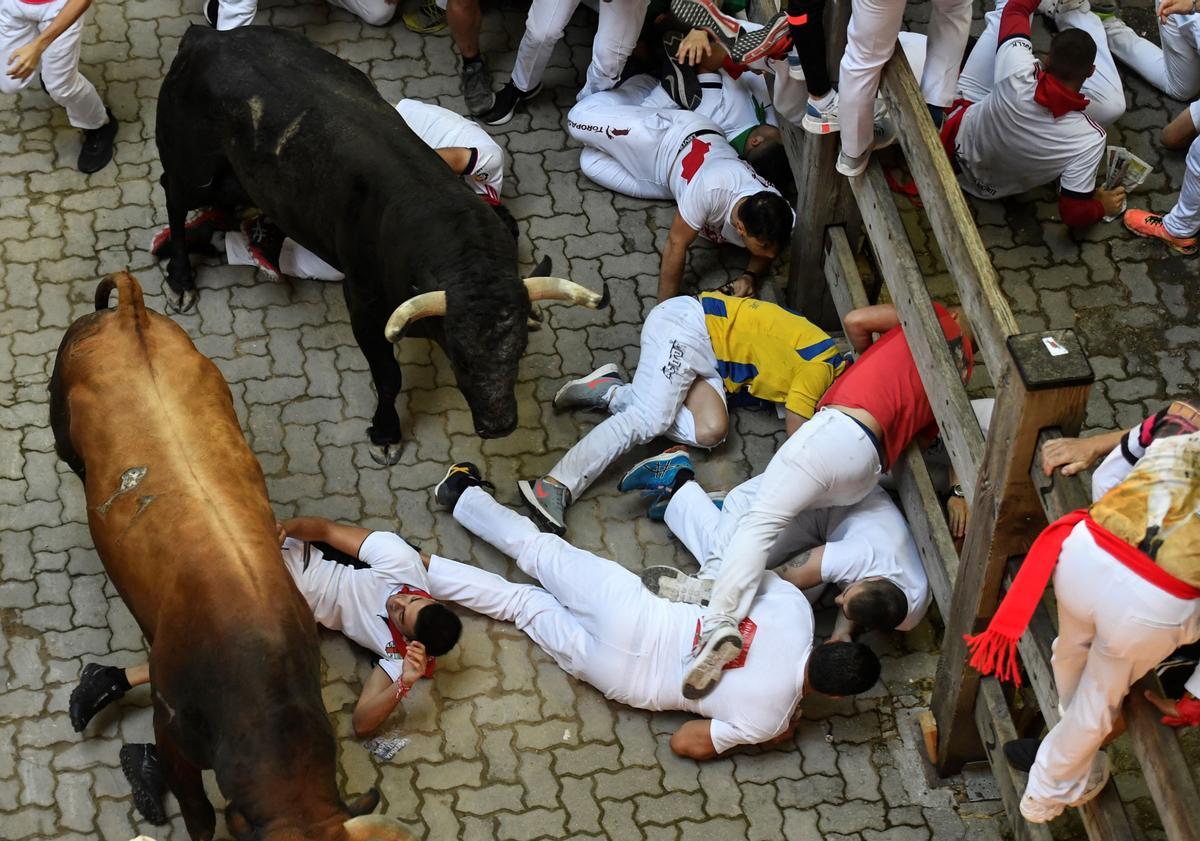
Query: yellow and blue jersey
pixel 770 352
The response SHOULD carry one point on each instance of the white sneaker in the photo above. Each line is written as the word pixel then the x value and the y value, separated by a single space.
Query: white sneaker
pixel 885 135
pixel 1036 810
pixel 821 120
pixel 1097 780
pixel 675 585
pixel 1054 8
pixel 719 644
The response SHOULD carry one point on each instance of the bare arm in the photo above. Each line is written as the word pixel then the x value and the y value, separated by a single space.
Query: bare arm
pixel 670 276
pixel 792 422
pixel 458 158
pixel 863 322
pixel 24 60
pixel 348 539
pixel 804 569
pixel 380 695
pixel 694 740
pixel 1180 132
pixel 1076 454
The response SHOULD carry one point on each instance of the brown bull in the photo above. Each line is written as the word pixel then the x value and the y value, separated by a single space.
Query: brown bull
pixel 178 509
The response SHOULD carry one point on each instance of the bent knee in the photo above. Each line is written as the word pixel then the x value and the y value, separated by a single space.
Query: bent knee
pixel 711 433
pixel 540 34
pixel 9 85
pixel 378 16
pixel 1107 109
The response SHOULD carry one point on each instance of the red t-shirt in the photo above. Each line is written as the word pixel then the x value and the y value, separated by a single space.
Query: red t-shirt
pixel 884 381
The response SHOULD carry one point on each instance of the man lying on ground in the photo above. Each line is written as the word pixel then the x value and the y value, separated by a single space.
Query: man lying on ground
pixel 602 626
pixel 693 351
pixel 866 420
pixel 1019 125
pixel 651 154
pixel 864 549
pixel 384 606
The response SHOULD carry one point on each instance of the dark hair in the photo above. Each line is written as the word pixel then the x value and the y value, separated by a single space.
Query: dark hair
pixel 877 605
pixel 770 160
pixel 437 628
pixel 1072 54
pixel 766 216
pixel 842 668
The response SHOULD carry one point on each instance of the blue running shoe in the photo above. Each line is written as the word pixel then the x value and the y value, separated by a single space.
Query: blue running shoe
pixel 656 473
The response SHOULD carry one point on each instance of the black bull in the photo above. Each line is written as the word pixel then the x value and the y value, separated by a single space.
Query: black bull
pixel 263 117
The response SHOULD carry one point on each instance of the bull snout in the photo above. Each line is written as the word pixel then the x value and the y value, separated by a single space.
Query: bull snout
pixel 488 429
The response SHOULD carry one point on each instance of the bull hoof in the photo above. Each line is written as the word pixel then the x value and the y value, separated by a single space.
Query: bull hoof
pixel 386 455
pixel 180 302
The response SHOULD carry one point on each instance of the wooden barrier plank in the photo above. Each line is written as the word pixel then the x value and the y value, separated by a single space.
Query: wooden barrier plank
pixel 995 726
pixel 951 217
pixel 894 255
pixel 918 499
pixel 1005 516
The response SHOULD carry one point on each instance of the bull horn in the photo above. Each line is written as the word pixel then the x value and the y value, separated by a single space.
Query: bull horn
pixel 376 828
pixel 561 289
pixel 414 309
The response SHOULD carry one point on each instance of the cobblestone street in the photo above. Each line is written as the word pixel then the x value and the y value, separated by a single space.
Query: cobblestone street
pixel 502 744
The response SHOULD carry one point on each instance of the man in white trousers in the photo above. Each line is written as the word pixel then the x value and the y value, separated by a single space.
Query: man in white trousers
pixel 230 14
pixel 603 627
pixel 461 143
pixel 1019 125
pixel 1173 68
pixel 620 23
pixel 1178 228
pixel 864 549
pixel 680 155
pixel 44 38
pixel 865 421
pixel 1126 578
pixel 870 42
pixel 694 350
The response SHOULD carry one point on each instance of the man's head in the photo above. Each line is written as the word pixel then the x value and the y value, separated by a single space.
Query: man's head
pixel 764 221
pixel 958 349
pixel 842 668
pixel 1072 57
pixel 426 621
pixel 764 151
pixel 874 604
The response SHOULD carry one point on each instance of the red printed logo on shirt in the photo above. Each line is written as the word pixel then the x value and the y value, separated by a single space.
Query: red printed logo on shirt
pixel 694 159
pixel 747 628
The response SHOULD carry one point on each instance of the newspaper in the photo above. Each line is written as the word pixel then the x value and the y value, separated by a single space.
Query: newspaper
pixel 386 745
pixel 1125 169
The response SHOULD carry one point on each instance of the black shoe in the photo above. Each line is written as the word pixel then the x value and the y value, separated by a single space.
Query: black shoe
pixel 507 100
pixel 265 240
pixel 457 479
pixel 97 149
pixel 140 765
pixel 209 10
pixel 680 81
pixel 1021 753
pixel 98 687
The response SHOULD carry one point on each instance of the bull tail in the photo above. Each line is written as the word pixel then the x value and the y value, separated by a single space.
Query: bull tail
pixel 129 295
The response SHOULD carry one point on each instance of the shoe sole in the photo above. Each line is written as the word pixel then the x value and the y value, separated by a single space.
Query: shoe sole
pixel 502 120
pixel 148 805
pixel 1094 792
pixel 675 585
pixel 608 369
pixel 1185 251
pixel 760 43
pixel 437 490
pixel 540 515
pixel 703 14
pixel 708 668
pixel 815 126
pixel 852 173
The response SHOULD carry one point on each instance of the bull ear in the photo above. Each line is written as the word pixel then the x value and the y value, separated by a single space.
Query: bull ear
pixel 414 309
pixel 561 289
pixel 542 268
pixel 376 828
pixel 364 804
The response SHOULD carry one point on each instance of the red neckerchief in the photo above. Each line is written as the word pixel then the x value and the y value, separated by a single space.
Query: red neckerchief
pixel 399 645
pixel 746 629
pixel 1054 95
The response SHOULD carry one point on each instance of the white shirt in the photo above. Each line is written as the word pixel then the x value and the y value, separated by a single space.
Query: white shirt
pixel 753 702
pixel 1008 143
pixel 353 601
pixel 869 539
pixel 440 128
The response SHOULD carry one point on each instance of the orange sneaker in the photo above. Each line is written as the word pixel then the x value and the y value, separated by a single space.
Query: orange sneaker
pixel 1147 224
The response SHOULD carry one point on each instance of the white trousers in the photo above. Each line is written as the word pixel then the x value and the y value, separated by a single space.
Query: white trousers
pixel 870 42
pixel 1113 627
pixel 1173 68
pixel 676 350
pixel 1184 218
pixel 234 13
pixel 616 34
pixel 373 12
pixel 620 141
pixel 829 461
pixel 1105 93
pixel 20 23
pixel 587 614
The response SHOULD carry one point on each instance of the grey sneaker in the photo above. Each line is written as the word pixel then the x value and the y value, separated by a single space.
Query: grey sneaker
pixel 548 502
pixel 477 87
pixel 885 135
pixel 590 392
pixel 675 585
pixel 718 645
